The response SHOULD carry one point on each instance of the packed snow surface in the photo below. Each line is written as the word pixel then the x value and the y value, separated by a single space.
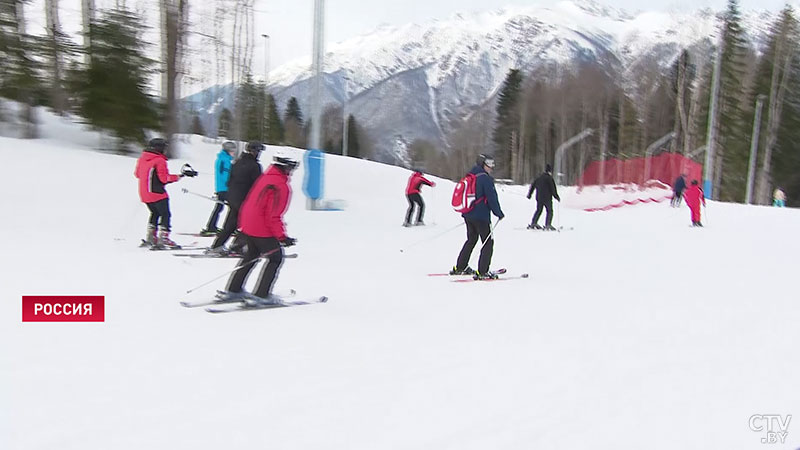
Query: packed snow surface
pixel 633 331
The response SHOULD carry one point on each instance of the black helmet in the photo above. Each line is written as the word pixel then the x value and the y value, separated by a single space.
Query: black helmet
pixel 158 144
pixel 255 147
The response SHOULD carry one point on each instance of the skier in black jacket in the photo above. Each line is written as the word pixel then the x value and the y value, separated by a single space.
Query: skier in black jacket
pixel 545 191
pixel 244 173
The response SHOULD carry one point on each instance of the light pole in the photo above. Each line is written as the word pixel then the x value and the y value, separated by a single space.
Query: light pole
pixel 563 147
pixel 318 60
pixel 713 123
pixel 649 152
pixel 751 169
pixel 345 128
pixel 265 128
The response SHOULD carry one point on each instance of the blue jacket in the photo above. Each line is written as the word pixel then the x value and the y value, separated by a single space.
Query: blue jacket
pixel 222 171
pixel 485 198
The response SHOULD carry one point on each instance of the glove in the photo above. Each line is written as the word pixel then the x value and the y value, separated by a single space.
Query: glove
pixel 187 171
pixel 559 199
pixel 288 242
pixel 529 197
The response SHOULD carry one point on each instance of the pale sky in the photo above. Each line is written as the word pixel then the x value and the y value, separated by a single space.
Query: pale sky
pixel 289 23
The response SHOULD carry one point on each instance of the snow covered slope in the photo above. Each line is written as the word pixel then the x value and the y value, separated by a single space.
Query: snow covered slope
pixel 633 331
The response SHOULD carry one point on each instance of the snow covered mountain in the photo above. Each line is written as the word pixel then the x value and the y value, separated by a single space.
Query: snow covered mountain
pixel 419 80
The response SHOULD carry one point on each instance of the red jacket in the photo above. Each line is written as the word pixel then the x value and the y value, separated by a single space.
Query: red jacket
pixel 151 170
pixel 266 203
pixel 415 182
pixel 693 196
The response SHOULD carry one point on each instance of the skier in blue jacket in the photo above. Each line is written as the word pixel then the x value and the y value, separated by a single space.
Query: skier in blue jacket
pixel 222 172
pixel 478 221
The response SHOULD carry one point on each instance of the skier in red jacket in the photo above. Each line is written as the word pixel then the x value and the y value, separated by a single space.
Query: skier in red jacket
pixel 415 182
pixel 694 195
pixel 151 170
pixel 261 221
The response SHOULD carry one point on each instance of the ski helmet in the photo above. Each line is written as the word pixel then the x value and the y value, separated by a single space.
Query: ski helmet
pixel 229 146
pixel 158 144
pixel 285 160
pixel 485 159
pixel 255 147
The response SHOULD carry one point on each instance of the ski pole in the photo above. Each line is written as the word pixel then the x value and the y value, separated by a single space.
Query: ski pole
pixel 430 238
pixel 491 233
pixel 186 191
pixel 260 257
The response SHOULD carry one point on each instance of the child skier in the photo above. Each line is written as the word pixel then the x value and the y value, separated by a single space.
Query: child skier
pixel 151 170
pixel 222 172
pixel 778 198
pixel 694 195
pixel 264 231
pixel 415 182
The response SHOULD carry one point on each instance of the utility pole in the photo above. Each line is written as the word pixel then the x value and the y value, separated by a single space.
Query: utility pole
pixel 708 169
pixel 265 128
pixel 751 168
pixel 318 55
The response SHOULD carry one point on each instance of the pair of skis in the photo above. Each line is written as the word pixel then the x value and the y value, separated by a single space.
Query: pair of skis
pixel 221 304
pixel 465 278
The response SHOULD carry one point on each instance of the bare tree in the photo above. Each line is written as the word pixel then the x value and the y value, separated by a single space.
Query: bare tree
pixel 174 14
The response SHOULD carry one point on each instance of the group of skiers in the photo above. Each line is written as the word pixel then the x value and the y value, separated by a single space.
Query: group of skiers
pixel 256 204
pixel 482 202
pixel 694 197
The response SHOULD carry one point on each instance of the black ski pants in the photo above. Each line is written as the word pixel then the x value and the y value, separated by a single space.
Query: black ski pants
pixel 542 204
pixel 212 221
pixel 159 213
pixel 476 229
pixel 415 199
pixel 258 246
pixel 228 228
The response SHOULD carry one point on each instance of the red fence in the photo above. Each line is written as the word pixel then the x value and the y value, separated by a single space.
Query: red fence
pixel 665 167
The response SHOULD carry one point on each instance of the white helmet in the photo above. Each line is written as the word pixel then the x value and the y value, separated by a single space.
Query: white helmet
pixel 285 159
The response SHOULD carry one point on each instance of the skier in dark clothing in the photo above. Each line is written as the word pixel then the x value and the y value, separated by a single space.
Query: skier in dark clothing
pixel 413 189
pixel 478 221
pixel 222 173
pixel 244 173
pixel 680 186
pixel 546 190
pixel 264 230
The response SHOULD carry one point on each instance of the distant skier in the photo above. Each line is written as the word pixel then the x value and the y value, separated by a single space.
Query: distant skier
pixel 778 198
pixel 546 190
pixel 415 182
pixel 222 172
pixel 151 170
pixel 694 196
pixel 244 172
pixel 677 191
pixel 264 231
pixel 478 220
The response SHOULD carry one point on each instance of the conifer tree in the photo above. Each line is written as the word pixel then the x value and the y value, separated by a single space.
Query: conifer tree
pixel 507 122
pixel 112 90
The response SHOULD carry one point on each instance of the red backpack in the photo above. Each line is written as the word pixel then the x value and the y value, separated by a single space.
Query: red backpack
pixel 464 194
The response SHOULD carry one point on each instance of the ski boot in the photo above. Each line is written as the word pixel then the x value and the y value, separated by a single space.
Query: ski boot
pixel 485 276
pixel 227 296
pixel 151 238
pixel 209 232
pixel 419 223
pixel 534 227
pixel 550 228
pixel 164 242
pixel 467 271
pixel 406 224
pixel 254 300
pixel 219 252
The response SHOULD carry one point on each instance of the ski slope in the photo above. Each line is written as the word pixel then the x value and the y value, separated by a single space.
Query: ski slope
pixel 633 331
